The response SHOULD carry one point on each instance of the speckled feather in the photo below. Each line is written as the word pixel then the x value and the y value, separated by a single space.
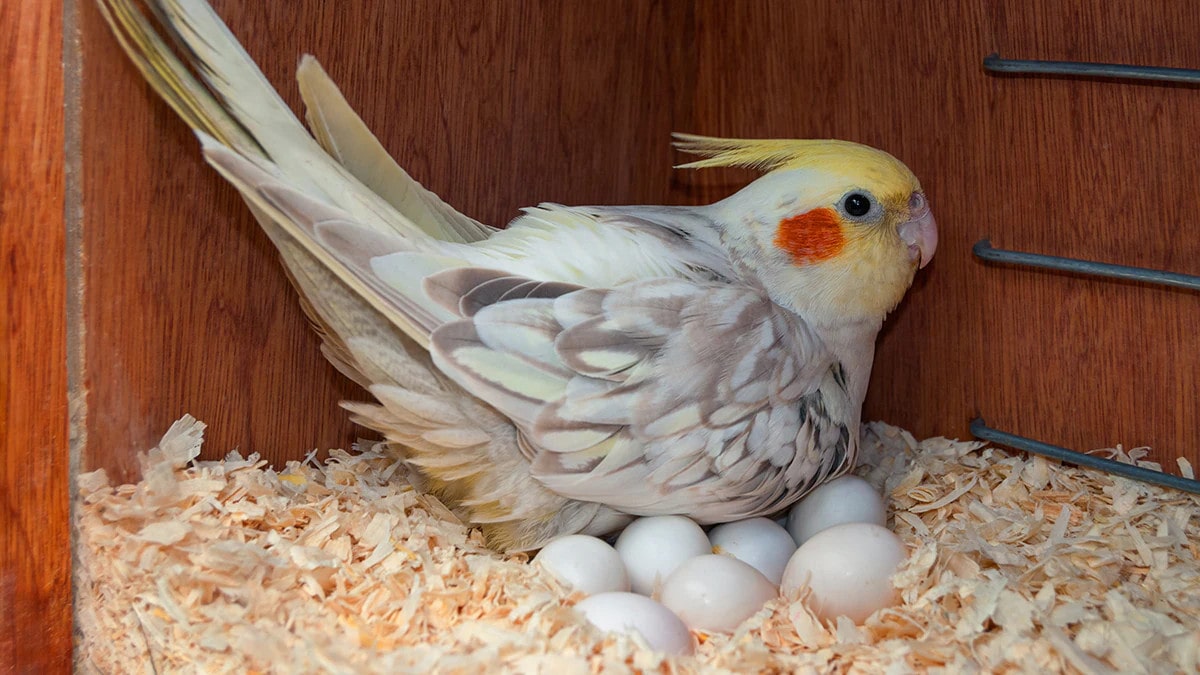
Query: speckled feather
pixel 621 381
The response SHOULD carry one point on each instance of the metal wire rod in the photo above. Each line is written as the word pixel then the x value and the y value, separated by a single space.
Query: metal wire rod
pixel 984 250
pixel 981 430
pixel 995 64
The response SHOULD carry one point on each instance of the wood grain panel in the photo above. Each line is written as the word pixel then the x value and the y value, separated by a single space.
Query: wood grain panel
pixel 1110 178
pixel 1095 170
pixel 35 579
pixel 500 105
pixel 1104 171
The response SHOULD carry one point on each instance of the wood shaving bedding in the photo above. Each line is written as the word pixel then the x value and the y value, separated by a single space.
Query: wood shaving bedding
pixel 1016 564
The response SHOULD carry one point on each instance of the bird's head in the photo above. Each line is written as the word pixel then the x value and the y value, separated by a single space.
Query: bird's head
pixel 834 230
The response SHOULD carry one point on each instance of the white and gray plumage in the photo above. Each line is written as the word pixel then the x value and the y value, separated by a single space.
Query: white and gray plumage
pixel 587 364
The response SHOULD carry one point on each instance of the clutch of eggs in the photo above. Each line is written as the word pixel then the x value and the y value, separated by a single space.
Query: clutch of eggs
pixel 835 544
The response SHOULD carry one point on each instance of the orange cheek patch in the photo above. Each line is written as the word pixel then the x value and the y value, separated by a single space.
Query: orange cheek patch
pixel 811 237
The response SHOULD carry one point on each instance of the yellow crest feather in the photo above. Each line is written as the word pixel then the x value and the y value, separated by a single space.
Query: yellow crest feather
pixel 783 153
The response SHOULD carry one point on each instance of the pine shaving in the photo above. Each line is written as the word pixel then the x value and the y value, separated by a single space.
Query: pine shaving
pixel 1016 564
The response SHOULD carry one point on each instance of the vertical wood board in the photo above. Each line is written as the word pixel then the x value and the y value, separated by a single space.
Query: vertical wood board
pixel 35 573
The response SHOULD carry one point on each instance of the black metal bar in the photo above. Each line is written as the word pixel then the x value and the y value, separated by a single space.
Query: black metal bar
pixel 984 250
pixel 995 64
pixel 981 430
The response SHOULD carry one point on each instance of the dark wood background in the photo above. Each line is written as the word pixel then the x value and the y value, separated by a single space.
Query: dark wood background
pixel 499 105
pixel 35 570
pixel 496 105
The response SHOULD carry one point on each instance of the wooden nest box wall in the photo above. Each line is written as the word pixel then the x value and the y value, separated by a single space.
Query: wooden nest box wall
pixel 498 107
pixel 178 304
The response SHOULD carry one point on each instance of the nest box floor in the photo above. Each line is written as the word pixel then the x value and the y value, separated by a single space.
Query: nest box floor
pixel 1016 564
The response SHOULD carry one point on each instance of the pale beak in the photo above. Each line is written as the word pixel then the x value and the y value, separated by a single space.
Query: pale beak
pixel 919 231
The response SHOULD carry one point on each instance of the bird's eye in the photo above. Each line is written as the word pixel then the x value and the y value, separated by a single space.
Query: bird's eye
pixel 857 204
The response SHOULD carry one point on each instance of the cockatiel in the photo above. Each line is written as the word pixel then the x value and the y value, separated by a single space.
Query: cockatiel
pixel 587 364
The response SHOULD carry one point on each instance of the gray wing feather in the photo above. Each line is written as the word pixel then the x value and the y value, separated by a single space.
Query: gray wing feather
pixel 467 290
pixel 660 396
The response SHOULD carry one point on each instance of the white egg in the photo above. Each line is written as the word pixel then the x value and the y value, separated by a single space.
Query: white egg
pixel 758 542
pixel 630 612
pixel 849 568
pixel 848 499
pixel 716 593
pixel 653 547
pixel 584 563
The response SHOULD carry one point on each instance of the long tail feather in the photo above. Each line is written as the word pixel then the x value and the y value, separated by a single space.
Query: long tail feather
pixel 344 136
pixel 236 105
pixel 171 79
pixel 301 218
